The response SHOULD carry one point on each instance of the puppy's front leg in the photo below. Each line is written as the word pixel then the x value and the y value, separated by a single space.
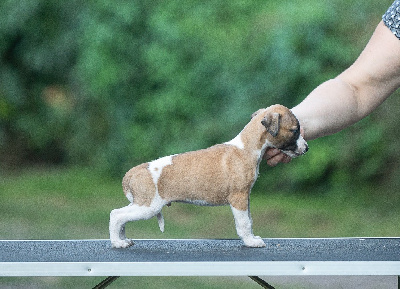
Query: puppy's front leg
pixel 244 228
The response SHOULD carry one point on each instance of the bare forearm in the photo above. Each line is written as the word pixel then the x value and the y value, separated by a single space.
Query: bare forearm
pixel 341 102
pixel 328 109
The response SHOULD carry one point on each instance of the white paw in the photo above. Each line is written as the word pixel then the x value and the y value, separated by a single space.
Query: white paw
pixel 121 243
pixel 254 242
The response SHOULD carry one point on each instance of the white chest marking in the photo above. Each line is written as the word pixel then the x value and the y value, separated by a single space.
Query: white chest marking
pixel 237 142
pixel 156 167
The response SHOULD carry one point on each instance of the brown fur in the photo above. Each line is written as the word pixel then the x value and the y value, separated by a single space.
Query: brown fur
pixel 193 178
pixel 139 183
pixel 219 175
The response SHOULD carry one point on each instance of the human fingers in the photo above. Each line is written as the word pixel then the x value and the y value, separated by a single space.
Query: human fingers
pixel 274 156
pixel 280 158
pixel 270 153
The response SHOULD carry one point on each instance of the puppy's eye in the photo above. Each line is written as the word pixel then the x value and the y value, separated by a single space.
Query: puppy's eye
pixel 296 132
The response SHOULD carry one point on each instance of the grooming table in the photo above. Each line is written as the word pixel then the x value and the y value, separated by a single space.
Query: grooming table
pixel 201 257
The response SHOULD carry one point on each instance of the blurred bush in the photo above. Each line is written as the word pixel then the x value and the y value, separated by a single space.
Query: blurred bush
pixel 111 84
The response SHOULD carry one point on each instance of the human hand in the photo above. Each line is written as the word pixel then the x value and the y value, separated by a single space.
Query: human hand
pixel 274 156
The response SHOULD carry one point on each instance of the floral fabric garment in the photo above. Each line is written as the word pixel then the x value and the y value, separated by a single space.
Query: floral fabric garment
pixel 392 18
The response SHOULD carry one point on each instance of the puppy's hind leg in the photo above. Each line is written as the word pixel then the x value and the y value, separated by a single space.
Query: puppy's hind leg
pixel 119 217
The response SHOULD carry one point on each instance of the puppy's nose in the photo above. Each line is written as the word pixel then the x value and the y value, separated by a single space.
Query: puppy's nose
pixel 306 149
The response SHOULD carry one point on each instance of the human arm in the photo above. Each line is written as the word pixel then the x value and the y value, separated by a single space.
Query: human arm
pixel 355 93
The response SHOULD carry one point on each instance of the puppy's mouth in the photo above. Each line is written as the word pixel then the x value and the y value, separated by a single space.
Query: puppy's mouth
pixel 295 154
pixel 299 148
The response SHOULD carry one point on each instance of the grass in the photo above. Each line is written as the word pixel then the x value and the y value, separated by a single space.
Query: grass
pixel 74 203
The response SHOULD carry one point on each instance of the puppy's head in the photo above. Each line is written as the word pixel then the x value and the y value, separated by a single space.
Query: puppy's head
pixel 283 130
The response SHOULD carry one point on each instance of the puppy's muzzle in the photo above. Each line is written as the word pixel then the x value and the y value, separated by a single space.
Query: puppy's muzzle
pixel 299 149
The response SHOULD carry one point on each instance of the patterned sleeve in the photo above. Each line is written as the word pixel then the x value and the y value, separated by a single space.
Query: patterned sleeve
pixel 392 18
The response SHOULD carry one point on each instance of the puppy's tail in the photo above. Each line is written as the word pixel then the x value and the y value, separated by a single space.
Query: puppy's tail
pixel 160 219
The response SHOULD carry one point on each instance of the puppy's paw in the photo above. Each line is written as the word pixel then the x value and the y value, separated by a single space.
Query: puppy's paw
pixel 121 243
pixel 254 242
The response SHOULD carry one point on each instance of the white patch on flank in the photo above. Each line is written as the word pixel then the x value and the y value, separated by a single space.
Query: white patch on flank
pixel 237 142
pixel 157 204
pixel 129 196
pixel 155 167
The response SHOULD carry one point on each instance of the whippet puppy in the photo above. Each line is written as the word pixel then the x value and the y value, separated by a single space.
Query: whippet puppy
pixel 223 174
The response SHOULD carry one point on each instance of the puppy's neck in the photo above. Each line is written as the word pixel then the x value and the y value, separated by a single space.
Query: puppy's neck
pixel 254 136
pixel 252 140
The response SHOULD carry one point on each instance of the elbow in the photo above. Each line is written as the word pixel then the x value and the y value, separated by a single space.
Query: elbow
pixel 357 100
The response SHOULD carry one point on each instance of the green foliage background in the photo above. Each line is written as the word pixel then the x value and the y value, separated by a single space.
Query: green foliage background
pixel 100 86
pixel 110 84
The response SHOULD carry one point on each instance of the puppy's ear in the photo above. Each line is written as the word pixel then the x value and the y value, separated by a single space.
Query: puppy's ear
pixel 257 112
pixel 272 123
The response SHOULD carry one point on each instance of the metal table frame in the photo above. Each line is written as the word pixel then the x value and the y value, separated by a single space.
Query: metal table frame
pixel 201 257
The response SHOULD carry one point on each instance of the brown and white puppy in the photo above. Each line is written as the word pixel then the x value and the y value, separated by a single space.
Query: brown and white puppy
pixel 220 175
